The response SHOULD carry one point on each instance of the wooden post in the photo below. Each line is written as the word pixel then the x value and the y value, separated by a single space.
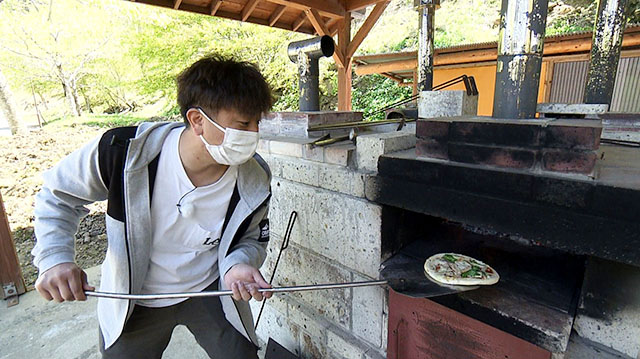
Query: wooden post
pixel 344 72
pixel 10 272
pixel 414 84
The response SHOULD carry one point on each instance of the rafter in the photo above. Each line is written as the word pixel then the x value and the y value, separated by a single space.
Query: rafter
pixel 215 5
pixel 248 9
pixel 329 8
pixel 317 22
pixel 299 21
pixel 399 65
pixel 366 27
pixel 276 14
pixel 355 5
pixel 399 81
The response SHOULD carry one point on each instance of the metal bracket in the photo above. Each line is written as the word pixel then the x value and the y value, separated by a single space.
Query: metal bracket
pixel 417 4
pixel 10 294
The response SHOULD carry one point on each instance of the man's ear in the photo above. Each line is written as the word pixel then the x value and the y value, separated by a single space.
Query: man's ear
pixel 195 119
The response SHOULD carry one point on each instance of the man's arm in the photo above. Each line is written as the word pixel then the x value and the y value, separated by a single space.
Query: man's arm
pixel 68 188
pixel 240 268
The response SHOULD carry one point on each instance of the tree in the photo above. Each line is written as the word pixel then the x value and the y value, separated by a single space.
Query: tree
pixel 8 107
pixel 51 48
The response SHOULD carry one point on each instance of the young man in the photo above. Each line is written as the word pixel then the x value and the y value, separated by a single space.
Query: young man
pixel 187 212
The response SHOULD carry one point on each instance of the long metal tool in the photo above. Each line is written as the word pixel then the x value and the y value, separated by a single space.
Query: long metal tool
pixel 219 293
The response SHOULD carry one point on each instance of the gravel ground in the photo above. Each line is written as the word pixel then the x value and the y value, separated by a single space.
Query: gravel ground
pixel 23 158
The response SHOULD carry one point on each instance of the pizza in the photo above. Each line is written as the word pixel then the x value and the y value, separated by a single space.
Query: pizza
pixel 458 269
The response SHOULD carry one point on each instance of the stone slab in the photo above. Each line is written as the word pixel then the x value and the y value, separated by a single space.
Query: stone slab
pixel 433 104
pixel 573 108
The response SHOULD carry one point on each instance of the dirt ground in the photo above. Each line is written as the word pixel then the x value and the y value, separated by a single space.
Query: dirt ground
pixel 23 158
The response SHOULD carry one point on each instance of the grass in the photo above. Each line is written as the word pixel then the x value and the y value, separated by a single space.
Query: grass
pixel 98 120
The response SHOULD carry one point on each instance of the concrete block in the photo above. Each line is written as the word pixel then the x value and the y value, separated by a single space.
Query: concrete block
pixel 370 147
pixel 433 104
pixel 284 200
pixel 311 153
pixel 340 154
pixel 300 267
pixel 313 329
pixel 263 146
pixel 274 324
pixel 284 148
pixel 342 179
pixel 342 228
pixel 301 171
pixel 609 309
pixel 344 346
pixel 368 312
pixel 274 165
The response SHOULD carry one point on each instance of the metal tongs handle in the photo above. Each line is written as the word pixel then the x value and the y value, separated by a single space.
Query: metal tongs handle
pixel 220 293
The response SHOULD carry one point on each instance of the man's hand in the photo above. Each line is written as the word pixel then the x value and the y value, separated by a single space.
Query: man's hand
pixel 65 281
pixel 244 281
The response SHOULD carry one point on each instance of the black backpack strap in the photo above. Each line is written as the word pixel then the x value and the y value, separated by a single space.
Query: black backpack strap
pixel 112 151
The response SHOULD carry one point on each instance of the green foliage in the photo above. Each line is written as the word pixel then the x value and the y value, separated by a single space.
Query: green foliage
pixel 373 92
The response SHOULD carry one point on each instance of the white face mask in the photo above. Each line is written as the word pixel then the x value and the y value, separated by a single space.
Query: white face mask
pixel 236 148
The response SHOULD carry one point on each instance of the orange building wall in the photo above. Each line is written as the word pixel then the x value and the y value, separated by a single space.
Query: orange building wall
pixel 485 77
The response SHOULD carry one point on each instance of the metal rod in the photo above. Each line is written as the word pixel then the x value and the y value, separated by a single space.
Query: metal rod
pixel 356 124
pixel 220 293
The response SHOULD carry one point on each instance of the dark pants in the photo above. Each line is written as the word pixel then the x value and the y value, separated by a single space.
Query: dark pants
pixel 148 331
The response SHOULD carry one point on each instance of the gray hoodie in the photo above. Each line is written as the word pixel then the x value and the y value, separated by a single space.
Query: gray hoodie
pixel 81 178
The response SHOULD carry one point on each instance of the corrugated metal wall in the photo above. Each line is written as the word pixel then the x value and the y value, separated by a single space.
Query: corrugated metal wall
pixel 626 93
pixel 569 79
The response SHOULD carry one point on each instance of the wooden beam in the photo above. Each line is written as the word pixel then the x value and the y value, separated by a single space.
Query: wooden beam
pixel 414 84
pixel 366 27
pixel 176 4
pixel 276 14
pixel 301 20
pixel 248 9
pixel 317 22
pixel 344 68
pixel 339 58
pixel 389 76
pixel 329 8
pixel 10 271
pixel 386 67
pixel 548 81
pixel 354 5
pixel 333 25
pixel 215 5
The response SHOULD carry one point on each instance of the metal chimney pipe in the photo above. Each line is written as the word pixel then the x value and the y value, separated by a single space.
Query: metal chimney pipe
pixel 522 26
pixel 306 54
pixel 605 51
pixel 427 10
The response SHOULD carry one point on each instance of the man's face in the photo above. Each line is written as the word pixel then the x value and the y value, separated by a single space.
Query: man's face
pixel 227 119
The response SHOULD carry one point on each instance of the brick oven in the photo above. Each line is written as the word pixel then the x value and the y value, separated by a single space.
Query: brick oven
pixel 548 195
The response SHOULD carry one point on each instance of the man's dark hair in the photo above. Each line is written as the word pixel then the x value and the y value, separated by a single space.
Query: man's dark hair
pixel 216 82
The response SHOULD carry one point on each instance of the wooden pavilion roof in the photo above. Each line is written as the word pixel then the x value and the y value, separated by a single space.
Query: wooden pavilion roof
pixel 295 15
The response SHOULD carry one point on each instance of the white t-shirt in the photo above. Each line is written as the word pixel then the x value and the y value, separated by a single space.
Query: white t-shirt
pixel 184 252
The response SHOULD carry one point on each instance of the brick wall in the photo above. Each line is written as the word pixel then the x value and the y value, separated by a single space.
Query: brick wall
pixel 336 238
